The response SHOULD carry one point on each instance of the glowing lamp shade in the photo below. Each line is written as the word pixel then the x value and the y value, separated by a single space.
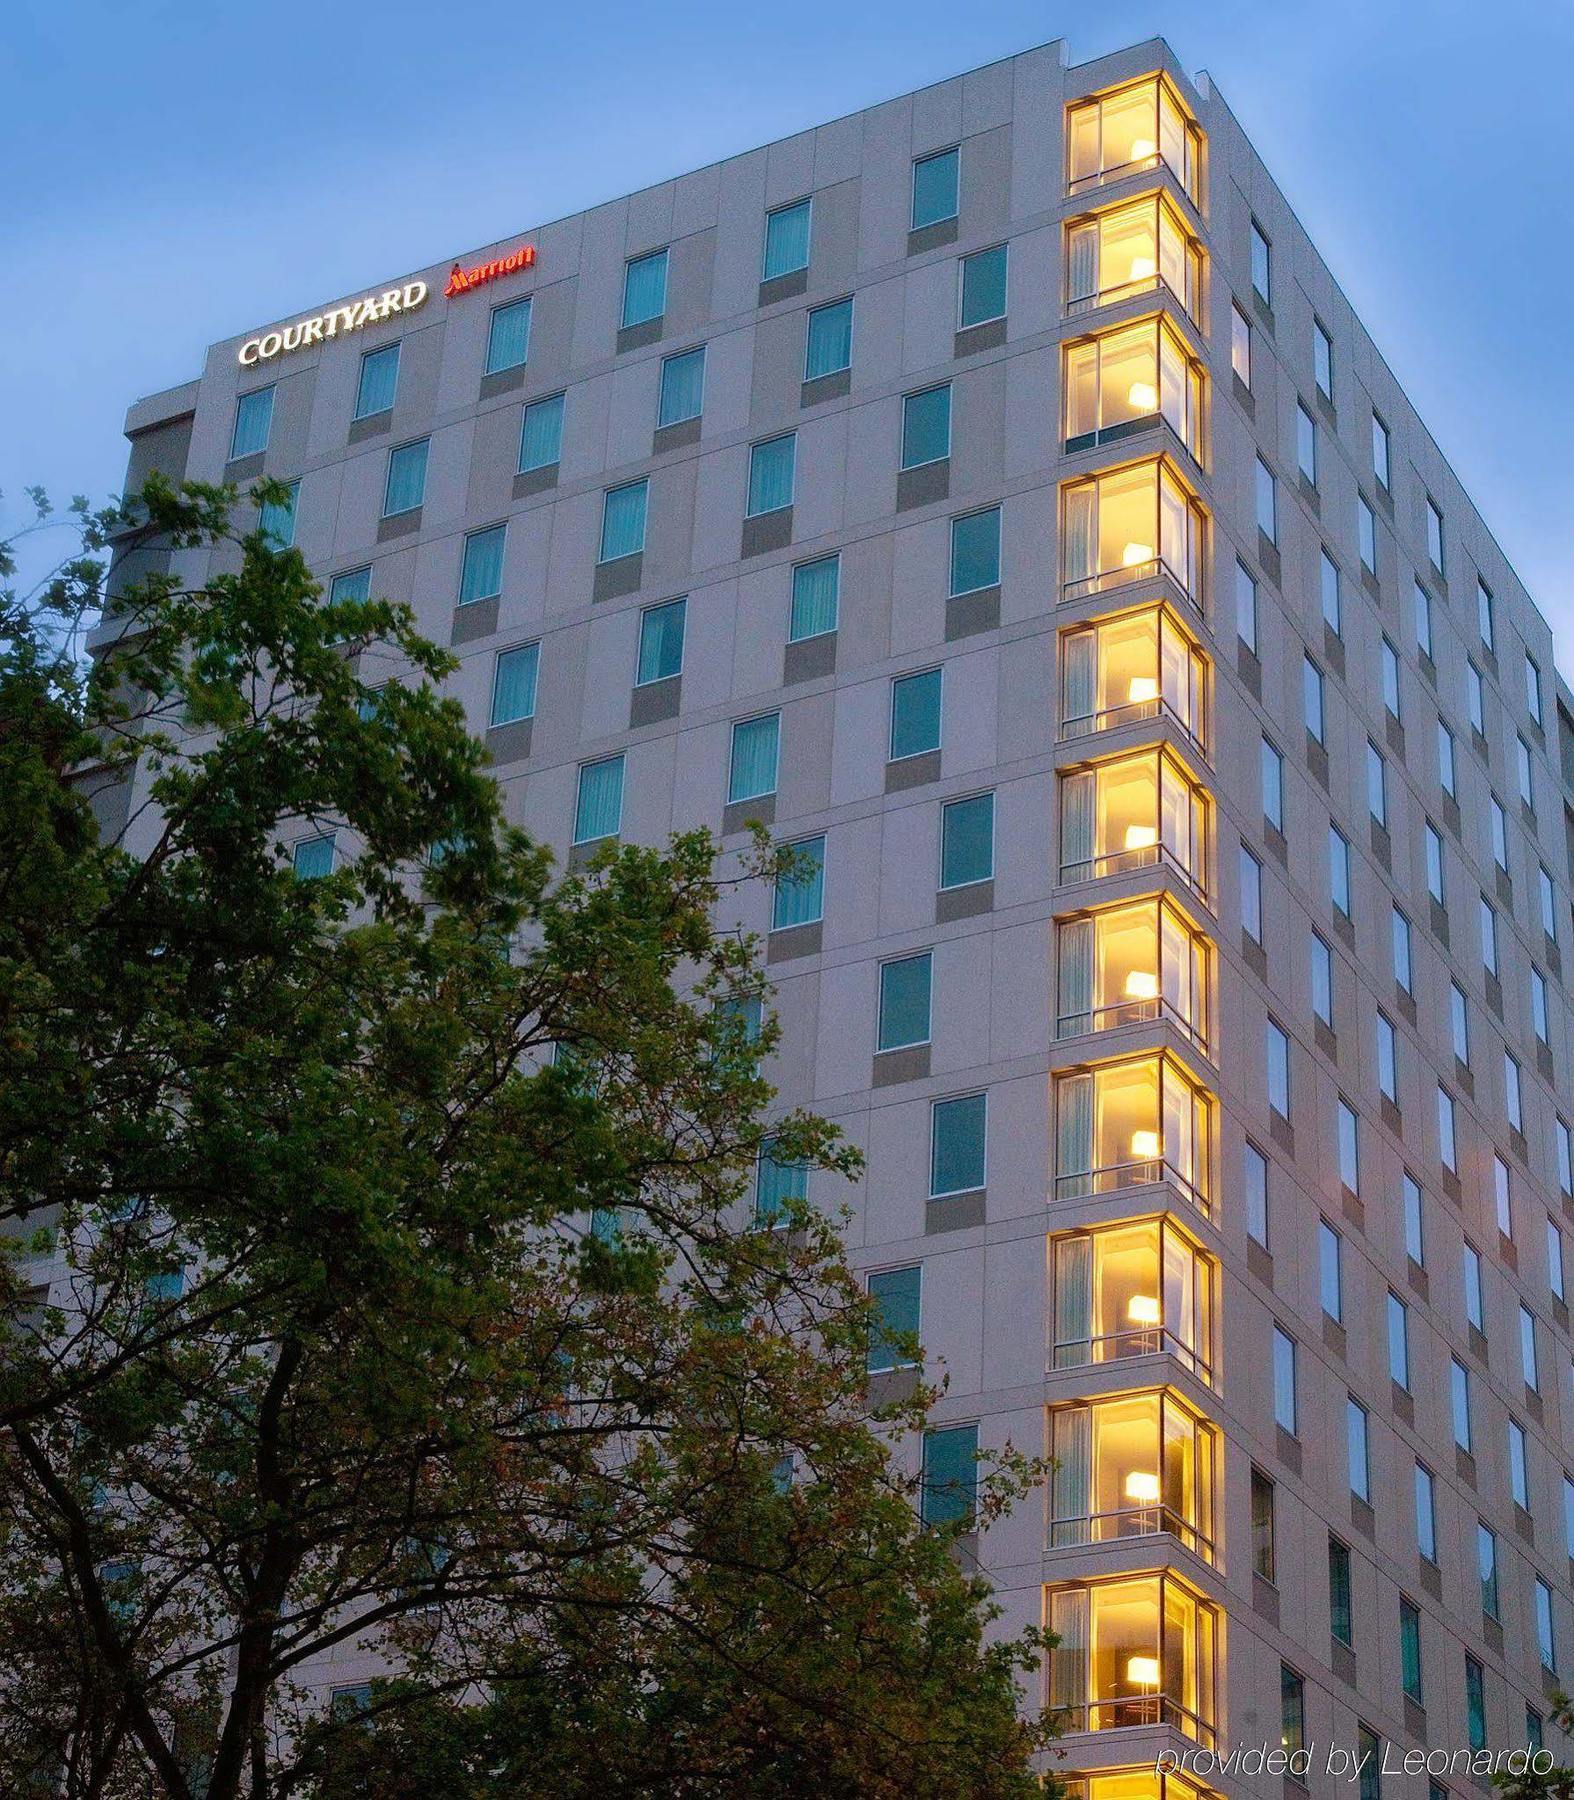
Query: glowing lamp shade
pixel 1143 268
pixel 1142 1485
pixel 1144 1144
pixel 1142 148
pixel 1142 984
pixel 1136 553
pixel 1143 687
pixel 1141 837
pixel 1143 1309
pixel 1143 396
pixel 1143 1670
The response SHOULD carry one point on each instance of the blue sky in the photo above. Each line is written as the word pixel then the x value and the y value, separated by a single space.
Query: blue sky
pixel 180 169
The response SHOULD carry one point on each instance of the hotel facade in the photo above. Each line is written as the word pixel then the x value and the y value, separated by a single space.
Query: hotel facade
pixel 994 494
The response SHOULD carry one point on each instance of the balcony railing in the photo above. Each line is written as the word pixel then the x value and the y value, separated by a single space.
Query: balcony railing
pixel 1082 184
pixel 1133 1340
pixel 1078 304
pixel 1124 1711
pixel 1107 579
pixel 1123 862
pixel 1130 1521
pixel 1128 1012
pixel 1132 712
pixel 1112 1177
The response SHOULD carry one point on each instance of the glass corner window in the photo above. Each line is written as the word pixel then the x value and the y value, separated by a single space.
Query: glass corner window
pixel 1141 247
pixel 1141 126
pixel 1129 525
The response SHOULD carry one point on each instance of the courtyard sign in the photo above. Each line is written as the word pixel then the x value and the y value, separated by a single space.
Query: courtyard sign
pixel 326 325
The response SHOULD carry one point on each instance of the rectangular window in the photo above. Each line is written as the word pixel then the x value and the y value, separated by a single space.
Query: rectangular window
pixel 786 240
pixel 896 1295
pixel 1549 904
pixel 1322 359
pixel 1527 1348
pixel 661 634
pixel 755 749
pixel 1533 690
pixel 967 841
pixel 1387 1059
pixel 1563 1139
pixel 1245 606
pixel 1513 1094
pixel 514 684
pixel 950 1487
pixel 1434 535
pixel 508 336
pixel 904 1002
pixel 276 521
pixel 772 471
pixel 1475 1704
pixel 935 188
pixel 1330 1270
pixel 1484 619
pixel 1380 461
pixel 682 387
pixel 253 423
pixel 1459 1401
pixel 1488 916
pixel 1340 1612
pixel 1272 767
pixel 1403 977
pixel 1251 895
pixel 828 346
pixel 405 486
pixel 1568 1516
pixel 956 1145
pixel 926 426
pixel 779 1187
pixel 1355 1429
pixel 816 598
pixel 644 288
pixel 1240 345
pixel 1423 611
pixel 1502 1197
pixel 623 520
pixel 1474 699
pixel 1555 1266
pixel 1277 1052
pixel 1410 1649
pixel 1447 768
pixel 1376 785
pixel 481 576
pixel 353 587
pixel 1305 444
pixel 1518 1468
pixel 1390 658
pixel 312 858
pixel 1470 1271
pixel 1459 1023
pixel 983 286
pixel 1284 1408
pixel 799 897
pixel 1322 979
pixel 1434 866
pixel 1398 1341
pixel 1545 1641
pixel 1538 1007
pixel 1415 1238
pixel 1328 586
pixel 1262 1525
pixel 975 551
pixel 1499 833
pixel 1312 698
pixel 1256 1170
pixel 1486 1566
pixel 1267 503
pixel 598 812
pixel 915 714
pixel 1447 1150
pixel 1349 1147
pixel 541 434
pixel 1426 1513
pixel 1262 264
pixel 1292 1710
pixel 379 381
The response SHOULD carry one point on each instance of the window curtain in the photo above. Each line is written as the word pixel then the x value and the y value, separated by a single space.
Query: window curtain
pixel 1072 1480
pixel 1079 679
pixel 1077 552
pixel 406 479
pixel 815 591
pixel 1076 826
pixel 508 341
pixel 787 240
pixel 830 344
pixel 1074 1137
pixel 1084 263
pixel 541 434
pixel 623 521
pixel 514 685
pixel 482 575
pixel 682 387
pixel 754 744
pixel 771 475
pixel 1068 1661
pixel 600 809
pixel 1076 977
pixel 1073 1302
pixel 645 289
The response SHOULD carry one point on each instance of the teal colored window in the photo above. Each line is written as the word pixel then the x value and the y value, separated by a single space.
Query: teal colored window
pixel 799 898
pixel 661 642
pixel 816 593
pixel 253 422
pixel 645 288
pixel 787 240
pixel 739 1018
pixel 514 684
pixel 482 575
pixel 915 714
pixel 623 521
pixel 379 381
pixel 777 1184
pixel 406 484
pixel 541 434
pixel 277 521
pixel 346 1702
pixel 926 426
pixel 313 858
pixel 984 286
pixel 755 744
pixel 950 1491
pixel 956 1145
pixel 1292 1709
pixel 1475 1704
pixel 967 840
pixel 1340 1614
pixel 508 337
pixel 895 1293
pixel 598 812
pixel 771 468
pixel 354 585
pixel 935 188
pixel 904 1002
pixel 682 387
pixel 975 551
pixel 829 346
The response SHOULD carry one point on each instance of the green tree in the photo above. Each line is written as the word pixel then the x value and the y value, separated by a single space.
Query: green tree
pixel 407 1299
pixel 1542 1782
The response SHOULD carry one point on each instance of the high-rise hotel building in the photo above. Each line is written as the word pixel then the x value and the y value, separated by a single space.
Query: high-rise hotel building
pixel 994 493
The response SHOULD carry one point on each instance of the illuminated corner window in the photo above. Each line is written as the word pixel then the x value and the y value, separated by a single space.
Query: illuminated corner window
pixel 1132 1466
pixel 1131 129
pixel 1142 247
pixel 1134 1784
pixel 1130 524
pixel 1137 665
pixel 1133 812
pixel 1133 1124
pixel 1132 1290
pixel 1127 380
pixel 1132 964
pixel 1133 1652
